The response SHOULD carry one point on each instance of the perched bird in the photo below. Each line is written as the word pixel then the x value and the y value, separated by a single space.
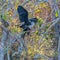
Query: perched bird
pixel 26 23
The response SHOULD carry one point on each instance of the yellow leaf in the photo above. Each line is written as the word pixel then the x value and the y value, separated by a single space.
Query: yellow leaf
pixel 43 4
pixel 36 32
pixel 19 30
pixel 56 14
pixel 38 10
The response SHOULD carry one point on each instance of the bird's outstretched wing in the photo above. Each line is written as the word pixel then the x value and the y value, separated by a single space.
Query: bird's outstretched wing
pixel 23 15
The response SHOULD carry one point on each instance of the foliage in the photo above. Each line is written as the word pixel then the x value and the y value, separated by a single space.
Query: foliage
pixel 41 39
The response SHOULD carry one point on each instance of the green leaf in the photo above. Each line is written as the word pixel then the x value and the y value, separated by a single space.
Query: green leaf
pixel 56 1
pixel 40 21
pixel 4 17
pixel 56 14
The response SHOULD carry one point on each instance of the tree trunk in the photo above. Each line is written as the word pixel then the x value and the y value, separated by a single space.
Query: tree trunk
pixel 1 51
pixel 59 49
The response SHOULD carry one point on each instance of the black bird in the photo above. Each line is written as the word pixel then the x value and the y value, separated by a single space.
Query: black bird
pixel 26 23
